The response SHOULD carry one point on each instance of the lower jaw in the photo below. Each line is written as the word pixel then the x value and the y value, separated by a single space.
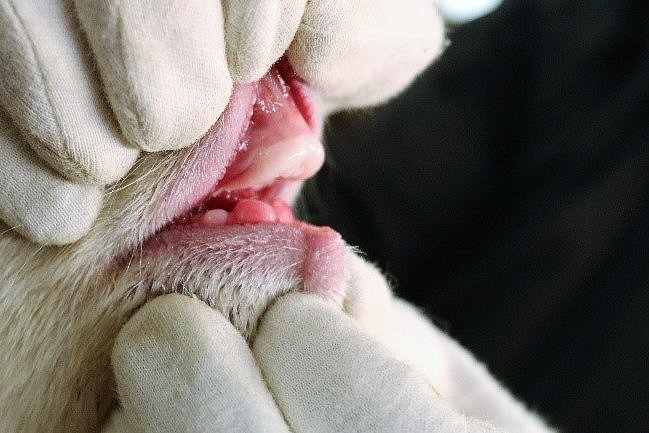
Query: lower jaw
pixel 245 259
pixel 239 269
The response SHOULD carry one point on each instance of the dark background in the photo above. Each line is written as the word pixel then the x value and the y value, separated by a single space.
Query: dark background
pixel 507 192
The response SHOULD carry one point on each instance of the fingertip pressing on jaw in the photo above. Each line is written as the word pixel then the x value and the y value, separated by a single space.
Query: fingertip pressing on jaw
pixel 163 67
pixel 339 50
pixel 64 220
pixel 38 203
pixel 309 350
pixel 181 366
pixel 258 33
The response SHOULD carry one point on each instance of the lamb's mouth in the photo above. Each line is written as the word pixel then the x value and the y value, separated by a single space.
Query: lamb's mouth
pixel 234 187
pixel 278 148
pixel 222 229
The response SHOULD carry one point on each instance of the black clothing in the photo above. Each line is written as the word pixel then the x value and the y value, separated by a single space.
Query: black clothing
pixel 508 194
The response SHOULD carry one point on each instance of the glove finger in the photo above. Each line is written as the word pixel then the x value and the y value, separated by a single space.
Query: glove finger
pixel 163 66
pixel 35 201
pixel 182 367
pixel 257 33
pixel 327 376
pixel 48 90
pixel 362 52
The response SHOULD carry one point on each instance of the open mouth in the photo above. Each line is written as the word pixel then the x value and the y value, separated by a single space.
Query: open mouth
pixel 278 148
pixel 223 216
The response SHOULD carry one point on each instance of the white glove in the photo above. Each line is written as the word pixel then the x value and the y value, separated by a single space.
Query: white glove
pixel 85 85
pixel 163 70
pixel 362 52
pixel 379 367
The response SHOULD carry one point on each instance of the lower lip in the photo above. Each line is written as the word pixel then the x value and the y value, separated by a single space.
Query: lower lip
pixel 310 257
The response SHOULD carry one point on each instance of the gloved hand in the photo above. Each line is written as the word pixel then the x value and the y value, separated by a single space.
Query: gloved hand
pixel 86 85
pixel 374 366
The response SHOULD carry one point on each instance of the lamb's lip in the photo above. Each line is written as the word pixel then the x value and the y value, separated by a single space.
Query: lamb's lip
pixel 207 161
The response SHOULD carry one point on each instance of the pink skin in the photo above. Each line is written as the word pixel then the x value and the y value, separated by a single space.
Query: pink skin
pixel 309 257
pixel 238 178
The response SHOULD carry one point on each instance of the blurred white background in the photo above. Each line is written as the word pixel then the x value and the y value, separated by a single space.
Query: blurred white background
pixel 461 11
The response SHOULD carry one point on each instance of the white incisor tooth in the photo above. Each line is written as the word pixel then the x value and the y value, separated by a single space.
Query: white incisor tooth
pixel 297 158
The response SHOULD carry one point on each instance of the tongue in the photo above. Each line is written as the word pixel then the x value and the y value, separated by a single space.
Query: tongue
pixel 248 211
